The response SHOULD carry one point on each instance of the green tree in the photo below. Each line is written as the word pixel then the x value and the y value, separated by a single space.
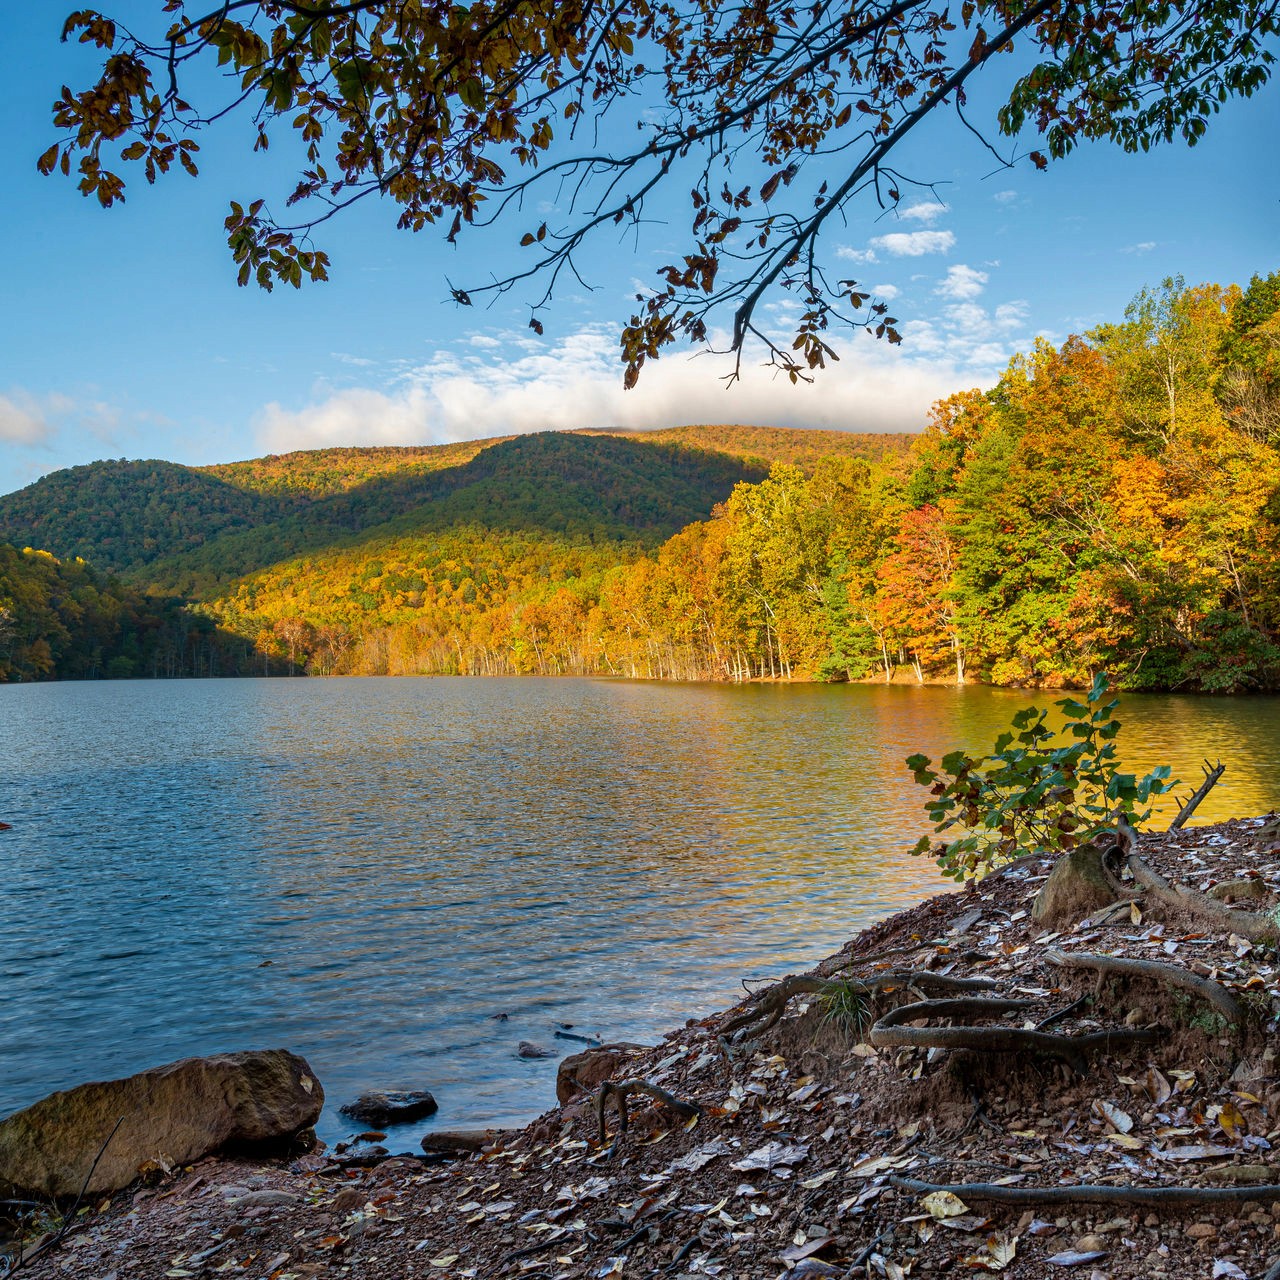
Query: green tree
pixel 776 120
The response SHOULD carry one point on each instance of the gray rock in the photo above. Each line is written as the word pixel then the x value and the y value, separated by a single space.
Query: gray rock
pixel 527 1049
pixel 379 1109
pixel 167 1116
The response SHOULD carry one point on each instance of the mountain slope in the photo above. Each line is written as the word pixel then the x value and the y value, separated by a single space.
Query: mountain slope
pixel 121 515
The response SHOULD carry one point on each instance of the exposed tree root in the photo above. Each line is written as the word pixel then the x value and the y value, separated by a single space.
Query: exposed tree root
pixel 1171 974
pixel 1248 924
pixel 1212 772
pixel 889 1032
pixel 621 1090
pixel 768 1007
pixel 1084 1193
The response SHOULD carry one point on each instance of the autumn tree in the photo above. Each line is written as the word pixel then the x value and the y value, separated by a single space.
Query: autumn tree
pixel 777 120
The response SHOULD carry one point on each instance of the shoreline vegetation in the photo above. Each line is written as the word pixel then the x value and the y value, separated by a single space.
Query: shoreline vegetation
pixel 981 1083
pixel 1111 503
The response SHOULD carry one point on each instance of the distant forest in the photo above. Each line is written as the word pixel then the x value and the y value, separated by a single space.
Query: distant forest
pixel 1113 502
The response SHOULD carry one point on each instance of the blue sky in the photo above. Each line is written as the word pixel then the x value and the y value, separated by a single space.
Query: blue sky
pixel 125 335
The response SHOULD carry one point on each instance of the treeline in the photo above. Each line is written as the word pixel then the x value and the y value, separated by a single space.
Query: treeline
pixel 1113 502
pixel 63 620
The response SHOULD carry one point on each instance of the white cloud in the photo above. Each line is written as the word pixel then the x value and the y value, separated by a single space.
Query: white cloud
pixel 1003 197
pixel 1011 314
pixel 925 211
pixel 962 282
pixel 886 291
pixel 855 255
pixel 23 420
pixel 1144 246
pixel 914 244
pixel 576 381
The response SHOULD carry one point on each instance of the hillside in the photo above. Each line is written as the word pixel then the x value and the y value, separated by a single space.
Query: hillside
pixel 186 527
pixel 314 473
pixel 552 484
pixel 763 446
pixel 121 515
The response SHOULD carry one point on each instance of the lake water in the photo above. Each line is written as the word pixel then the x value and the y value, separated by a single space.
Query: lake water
pixel 367 871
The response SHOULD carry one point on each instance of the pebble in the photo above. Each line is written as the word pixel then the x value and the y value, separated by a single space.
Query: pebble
pixel 1091 1243
pixel 1202 1231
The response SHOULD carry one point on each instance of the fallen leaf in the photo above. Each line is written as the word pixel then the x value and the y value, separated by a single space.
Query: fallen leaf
pixel 1232 1121
pixel 701 1156
pixel 944 1204
pixel 1223 1268
pixel 1074 1258
pixel 796 1252
pixel 771 1156
pixel 1192 1151
pixel 1119 1120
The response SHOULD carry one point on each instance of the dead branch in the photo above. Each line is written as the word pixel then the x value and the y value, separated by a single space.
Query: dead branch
pixel 889 1033
pixel 1248 924
pixel 1171 974
pixel 1085 1193
pixel 1211 775
pixel 620 1091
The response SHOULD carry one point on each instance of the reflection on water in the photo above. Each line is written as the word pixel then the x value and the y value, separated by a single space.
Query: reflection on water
pixel 368 871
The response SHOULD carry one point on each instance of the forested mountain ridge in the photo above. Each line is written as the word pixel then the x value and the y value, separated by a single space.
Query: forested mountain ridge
pixel 185 529
pixel 123 516
pixel 1110 503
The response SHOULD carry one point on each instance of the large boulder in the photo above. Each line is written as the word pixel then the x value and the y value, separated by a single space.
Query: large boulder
pixel 584 1072
pixel 167 1116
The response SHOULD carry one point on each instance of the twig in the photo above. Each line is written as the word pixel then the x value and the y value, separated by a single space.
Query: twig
pixel 70 1216
pixel 1062 1013
pixel 685 1250
pixel 868 1250
pixel 619 1093
pixel 541 1247
pixel 1086 1193
pixel 1171 974
pixel 1211 775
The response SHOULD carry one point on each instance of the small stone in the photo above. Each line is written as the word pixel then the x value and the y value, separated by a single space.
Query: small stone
pixel 380 1108
pixel 347 1200
pixel 527 1049
pixel 371 1135
pixel 265 1199
pixel 1202 1231
pixel 1260 1219
pixel 1151 1220
pixel 1091 1243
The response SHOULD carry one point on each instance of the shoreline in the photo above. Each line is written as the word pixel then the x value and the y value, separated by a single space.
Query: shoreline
pixel 802 1126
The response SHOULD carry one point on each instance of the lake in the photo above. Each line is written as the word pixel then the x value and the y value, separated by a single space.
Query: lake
pixel 369 871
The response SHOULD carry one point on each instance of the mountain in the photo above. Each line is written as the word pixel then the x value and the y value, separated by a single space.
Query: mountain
pixel 186 529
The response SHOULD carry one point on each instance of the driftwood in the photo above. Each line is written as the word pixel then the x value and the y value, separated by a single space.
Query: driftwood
pixel 889 1032
pixel 1215 993
pixel 1085 1193
pixel 1212 772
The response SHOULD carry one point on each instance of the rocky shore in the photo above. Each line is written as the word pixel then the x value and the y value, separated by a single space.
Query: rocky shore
pixel 963 1089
